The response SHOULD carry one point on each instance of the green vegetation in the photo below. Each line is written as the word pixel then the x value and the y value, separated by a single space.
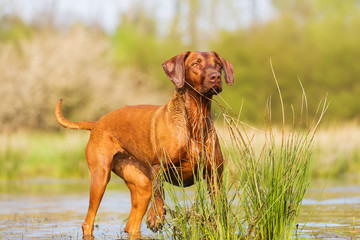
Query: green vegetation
pixel 314 40
pixel 13 29
pixel 336 153
pixel 42 155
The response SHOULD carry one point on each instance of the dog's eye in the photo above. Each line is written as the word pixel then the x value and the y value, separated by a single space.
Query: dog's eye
pixel 217 65
pixel 195 65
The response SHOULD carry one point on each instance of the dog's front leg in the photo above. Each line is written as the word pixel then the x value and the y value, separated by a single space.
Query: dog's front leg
pixel 156 213
pixel 214 177
pixel 215 167
pixel 215 185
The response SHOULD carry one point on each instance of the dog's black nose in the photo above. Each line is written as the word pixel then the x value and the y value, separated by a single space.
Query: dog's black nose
pixel 215 76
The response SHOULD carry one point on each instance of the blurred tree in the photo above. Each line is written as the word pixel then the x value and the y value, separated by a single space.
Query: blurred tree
pixel 193 22
pixel 136 44
pixel 13 29
pixel 174 32
pixel 315 40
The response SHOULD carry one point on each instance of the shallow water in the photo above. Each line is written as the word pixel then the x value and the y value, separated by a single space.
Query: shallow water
pixel 336 214
pixel 55 209
pixel 44 209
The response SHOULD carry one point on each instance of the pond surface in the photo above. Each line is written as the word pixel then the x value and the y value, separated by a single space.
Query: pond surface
pixel 336 214
pixel 52 209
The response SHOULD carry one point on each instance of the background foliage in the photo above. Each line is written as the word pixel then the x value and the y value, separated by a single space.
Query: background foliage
pixel 96 71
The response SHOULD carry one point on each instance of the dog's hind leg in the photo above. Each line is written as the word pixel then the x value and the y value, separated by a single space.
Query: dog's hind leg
pixel 99 166
pixel 156 213
pixel 138 179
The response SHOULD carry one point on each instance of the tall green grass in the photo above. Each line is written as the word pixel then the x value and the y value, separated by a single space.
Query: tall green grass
pixel 262 191
pixel 272 183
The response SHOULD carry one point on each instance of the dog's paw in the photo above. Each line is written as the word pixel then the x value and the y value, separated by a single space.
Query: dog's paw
pixel 154 226
pixel 155 221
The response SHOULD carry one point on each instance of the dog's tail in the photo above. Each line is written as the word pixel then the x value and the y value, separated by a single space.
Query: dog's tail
pixel 87 125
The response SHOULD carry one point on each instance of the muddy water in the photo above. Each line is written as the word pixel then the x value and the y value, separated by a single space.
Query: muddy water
pixel 53 209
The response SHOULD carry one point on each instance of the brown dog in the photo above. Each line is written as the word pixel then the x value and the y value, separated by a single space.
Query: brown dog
pixel 135 141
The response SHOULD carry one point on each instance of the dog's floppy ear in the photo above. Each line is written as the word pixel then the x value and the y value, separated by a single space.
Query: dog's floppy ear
pixel 228 70
pixel 175 69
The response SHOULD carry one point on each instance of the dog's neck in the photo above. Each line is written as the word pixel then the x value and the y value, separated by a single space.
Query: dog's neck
pixel 196 111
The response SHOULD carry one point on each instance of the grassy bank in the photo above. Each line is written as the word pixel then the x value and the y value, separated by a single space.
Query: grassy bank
pixel 336 154
pixel 43 155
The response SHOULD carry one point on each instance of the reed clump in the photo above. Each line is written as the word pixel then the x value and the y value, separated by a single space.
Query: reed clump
pixel 271 183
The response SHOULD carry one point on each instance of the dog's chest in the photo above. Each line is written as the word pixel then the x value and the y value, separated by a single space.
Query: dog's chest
pixel 184 165
pixel 191 150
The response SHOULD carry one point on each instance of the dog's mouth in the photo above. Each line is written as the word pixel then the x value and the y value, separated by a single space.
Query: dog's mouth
pixel 217 89
pixel 213 89
pixel 210 88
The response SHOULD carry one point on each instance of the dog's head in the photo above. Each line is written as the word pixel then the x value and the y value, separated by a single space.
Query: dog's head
pixel 200 71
